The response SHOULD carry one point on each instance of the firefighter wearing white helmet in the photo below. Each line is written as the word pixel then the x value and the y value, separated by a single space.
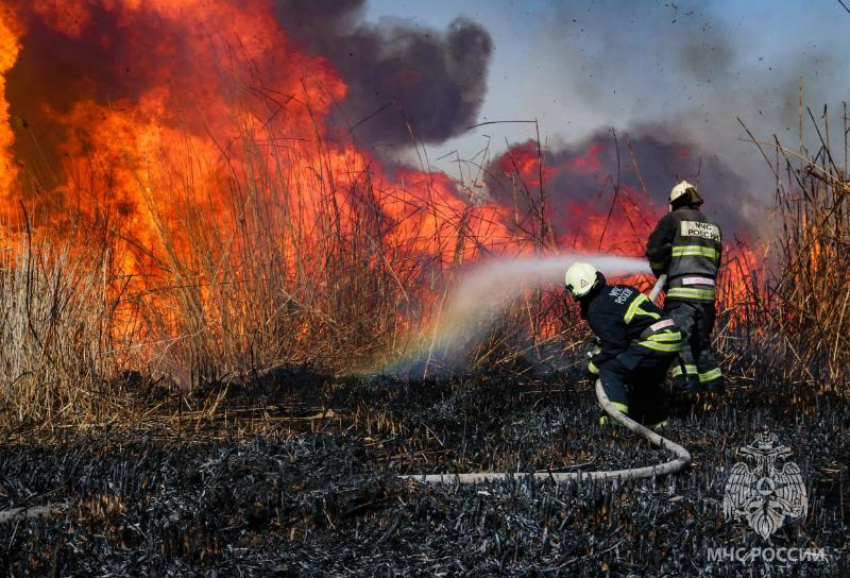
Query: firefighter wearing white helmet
pixel 686 245
pixel 580 279
pixel 637 343
pixel 685 191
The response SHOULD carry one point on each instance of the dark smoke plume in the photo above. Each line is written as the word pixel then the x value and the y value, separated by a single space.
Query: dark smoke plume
pixel 434 80
pixel 584 175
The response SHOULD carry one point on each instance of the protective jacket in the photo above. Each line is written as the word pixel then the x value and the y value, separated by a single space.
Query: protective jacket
pixel 623 318
pixel 687 246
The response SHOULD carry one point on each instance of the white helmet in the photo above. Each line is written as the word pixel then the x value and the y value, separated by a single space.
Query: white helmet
pixel 580 279
pixel 685 188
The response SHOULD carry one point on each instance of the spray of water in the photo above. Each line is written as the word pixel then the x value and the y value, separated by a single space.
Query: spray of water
pixel 481 295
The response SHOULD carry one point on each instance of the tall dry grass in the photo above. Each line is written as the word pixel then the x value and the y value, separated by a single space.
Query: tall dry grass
pixel 291 257
pixel 299 261
pixel 61 358
pixel 805 309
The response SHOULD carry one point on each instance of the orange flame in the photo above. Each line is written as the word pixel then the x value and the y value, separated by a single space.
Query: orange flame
pixel 9 49
pixel 197 105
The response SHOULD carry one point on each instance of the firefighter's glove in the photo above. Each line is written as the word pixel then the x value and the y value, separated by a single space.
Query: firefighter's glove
pixel 590 370
pixel 593 348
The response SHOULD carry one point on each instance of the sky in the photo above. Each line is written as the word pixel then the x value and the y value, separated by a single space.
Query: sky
pixel 684 69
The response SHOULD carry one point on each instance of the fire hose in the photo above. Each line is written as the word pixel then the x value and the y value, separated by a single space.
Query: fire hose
pixel 656 289
pixel 680 461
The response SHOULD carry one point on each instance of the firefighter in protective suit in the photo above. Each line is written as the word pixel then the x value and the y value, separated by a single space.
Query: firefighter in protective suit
pixel 687 246
pixel 637 343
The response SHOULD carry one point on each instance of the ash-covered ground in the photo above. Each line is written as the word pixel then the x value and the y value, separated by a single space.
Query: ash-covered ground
pixel 316 493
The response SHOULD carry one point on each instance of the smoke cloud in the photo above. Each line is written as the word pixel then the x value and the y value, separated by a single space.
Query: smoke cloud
pixel 683 73
pixel 583 176
pixel 396 72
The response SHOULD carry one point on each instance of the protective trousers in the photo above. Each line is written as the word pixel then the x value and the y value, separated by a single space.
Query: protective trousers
pixel 696 367
pixel 633 381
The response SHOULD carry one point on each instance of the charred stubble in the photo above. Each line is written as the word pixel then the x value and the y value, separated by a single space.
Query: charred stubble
pixel 314 493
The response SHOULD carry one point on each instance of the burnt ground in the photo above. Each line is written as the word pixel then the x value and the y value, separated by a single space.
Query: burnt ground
pixel 304 484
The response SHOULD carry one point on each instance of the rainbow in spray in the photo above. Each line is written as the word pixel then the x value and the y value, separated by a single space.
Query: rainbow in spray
pixel 481 295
